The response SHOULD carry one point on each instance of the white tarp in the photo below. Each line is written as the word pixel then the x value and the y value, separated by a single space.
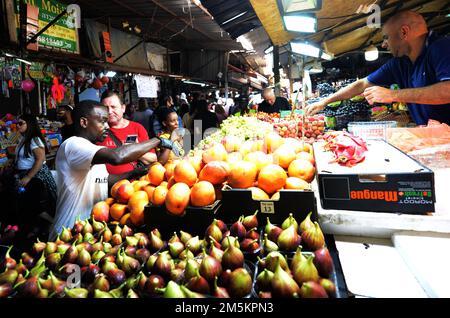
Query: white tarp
pixel 147 86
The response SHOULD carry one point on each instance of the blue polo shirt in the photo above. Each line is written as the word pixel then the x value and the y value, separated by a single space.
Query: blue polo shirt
pixel 431 67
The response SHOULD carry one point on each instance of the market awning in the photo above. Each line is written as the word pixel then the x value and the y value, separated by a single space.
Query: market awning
pixel 341 29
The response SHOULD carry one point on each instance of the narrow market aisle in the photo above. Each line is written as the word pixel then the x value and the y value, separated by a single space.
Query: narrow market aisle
pixel 428 258
pixel 374 268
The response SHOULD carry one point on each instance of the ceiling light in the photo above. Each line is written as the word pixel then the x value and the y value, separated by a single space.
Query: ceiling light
pixel 299 5
pixel 305 23
pixel 371 53
pixel 235 17
pixel 111 74
pixel 304 48
pixel 246 44
pixel 195 83
pixel 125 24
pixel 9 55
pixel 315 68
pixel 137 29
pixel 268 50
pixel 23 61
pixel 327 56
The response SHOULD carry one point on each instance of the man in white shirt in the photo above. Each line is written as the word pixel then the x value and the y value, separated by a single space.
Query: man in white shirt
pixel 80 164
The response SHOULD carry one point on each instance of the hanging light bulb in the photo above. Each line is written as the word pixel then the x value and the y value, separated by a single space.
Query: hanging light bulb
pixel 125 24
pixel 371 53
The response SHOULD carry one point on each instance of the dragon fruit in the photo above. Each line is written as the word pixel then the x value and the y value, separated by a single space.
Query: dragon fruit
pixel 348 149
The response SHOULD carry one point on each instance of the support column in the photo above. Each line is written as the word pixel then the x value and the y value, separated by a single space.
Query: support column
pixel 276 69
pixel 225 74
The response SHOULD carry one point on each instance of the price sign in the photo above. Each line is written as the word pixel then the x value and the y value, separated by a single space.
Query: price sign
pixel 267 207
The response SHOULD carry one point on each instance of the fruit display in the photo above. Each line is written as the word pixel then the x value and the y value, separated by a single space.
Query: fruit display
pixel 287 270
pixel 117 262
pixel 244 128
pixel 339 114
pixel 292 128
pixel 348 149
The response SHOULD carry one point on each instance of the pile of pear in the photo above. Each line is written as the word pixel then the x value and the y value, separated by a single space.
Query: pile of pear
pixel 97 260
pixel 286 270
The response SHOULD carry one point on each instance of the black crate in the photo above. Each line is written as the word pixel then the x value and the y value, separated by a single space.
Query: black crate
pixel 194 221
pixel 237 202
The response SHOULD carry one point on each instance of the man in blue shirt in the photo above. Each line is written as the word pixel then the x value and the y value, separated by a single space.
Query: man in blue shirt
pixel 421 67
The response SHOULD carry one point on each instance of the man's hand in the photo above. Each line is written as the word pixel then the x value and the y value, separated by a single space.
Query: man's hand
pixel 315 108
pixel 377 94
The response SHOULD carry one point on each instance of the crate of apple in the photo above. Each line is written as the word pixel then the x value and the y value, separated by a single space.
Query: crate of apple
pixel 314 127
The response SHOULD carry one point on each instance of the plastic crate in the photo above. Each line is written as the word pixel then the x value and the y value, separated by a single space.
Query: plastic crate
pixel 371 130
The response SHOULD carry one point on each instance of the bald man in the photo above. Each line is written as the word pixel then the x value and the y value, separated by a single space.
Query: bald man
pixel 420 66
pixel 273 104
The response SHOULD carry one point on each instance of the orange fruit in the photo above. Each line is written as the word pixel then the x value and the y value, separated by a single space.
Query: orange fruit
pixel 136 205
pixel 294 144
pixel 171 182
pixel 242 175
pixel 302 169
pixel 283 156
pixel 296 183
pixel 307 156
pixel 275 196
pixel 231 143
pixel 259 194
pixel 117 210
pixel 272 178
pixel 233 157
pixel 116 186
pixel 159 195
pixel 156 174
pixel 169 166
pixel 259 158
pixel 100 211
pixel 125 220
pixel 215 172
pixel 185 172
pixel 177 198
pixel 272 141
pixel 139 185
pixel 215 153
pixel 197 163
pixel 246 147
pixel 203 194
pixel 110 201
pixel 258 145
pixel 149 189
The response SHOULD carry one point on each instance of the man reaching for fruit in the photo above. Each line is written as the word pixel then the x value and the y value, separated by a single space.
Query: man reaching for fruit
pixel 421 67
pixel 80 164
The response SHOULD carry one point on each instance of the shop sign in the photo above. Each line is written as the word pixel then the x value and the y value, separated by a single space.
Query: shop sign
pixel 62 35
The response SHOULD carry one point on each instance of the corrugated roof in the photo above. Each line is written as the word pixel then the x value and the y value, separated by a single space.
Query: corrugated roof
pixel 175 23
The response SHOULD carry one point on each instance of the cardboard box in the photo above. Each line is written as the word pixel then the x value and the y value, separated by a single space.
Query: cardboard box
pixel 237 202
pixel 386 181
pixel 194 221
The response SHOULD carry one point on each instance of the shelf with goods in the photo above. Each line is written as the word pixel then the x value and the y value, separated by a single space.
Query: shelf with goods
pixel 124 262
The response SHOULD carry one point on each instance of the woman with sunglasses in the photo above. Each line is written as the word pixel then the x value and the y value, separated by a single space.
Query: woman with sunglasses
pixel 32 173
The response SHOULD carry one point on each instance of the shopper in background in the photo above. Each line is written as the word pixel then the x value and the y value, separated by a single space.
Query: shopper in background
pixel 220 113
pixel 64 114
pixel 122 131
pixel 420 66
pixel 273 104
pixel 207 118
pixel 168 103
pixel 168 119
pixel 143 114
pixel 240 106
pixel 39 188
pixel 130 109
pixel 80 164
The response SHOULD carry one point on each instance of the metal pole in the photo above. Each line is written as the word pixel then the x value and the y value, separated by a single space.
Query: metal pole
pixel 276 69
pixel 227 59
pixel 128 51
pixel 59 16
